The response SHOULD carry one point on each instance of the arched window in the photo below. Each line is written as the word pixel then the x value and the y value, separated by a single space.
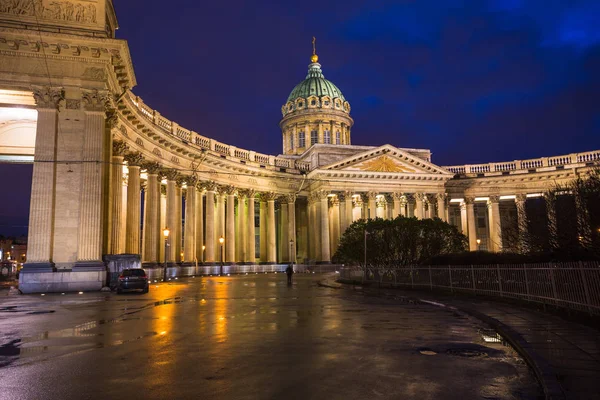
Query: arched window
pixel 291 141
pixel 301 139
pixel 314 137
pixel 326 137
pixel 338 138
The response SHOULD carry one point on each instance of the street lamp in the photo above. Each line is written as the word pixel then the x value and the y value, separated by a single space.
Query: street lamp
pixel 203 248
pixel 365 274
pixel 166 232
pixel 221 241
pixel 478 243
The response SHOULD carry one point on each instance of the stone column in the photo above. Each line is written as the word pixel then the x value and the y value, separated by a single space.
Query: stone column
pixel 419 205
pixel 403 206
pixel 163 220
pixel 116 181
pixel 522 222
pixel 242 225
pixel 209 239
pixel 152 230
pixel 179 217
pixel 335 224
pixel 284 245
pixel 262 234
pixel 494 222
pixel 220 225
pixel 132 235
pixel 189 238
pixel 171 218
pixel 397 199
pixel 441 206
pixel 91 221
pixel 463 219
pixel 230 225
pixel 324 222
pixel 471 223
pixel 291 227
pixel 550 198
pixel 370 199
pixel 312 228
pixel 251 234
pixel 345 215
pixel 271 240
pixel 41 211
pixel 199 223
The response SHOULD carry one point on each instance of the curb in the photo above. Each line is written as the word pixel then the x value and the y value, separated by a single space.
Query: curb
pixel 324 283
pixel 543 371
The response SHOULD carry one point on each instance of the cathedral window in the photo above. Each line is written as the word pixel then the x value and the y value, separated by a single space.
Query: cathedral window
pixel 300 105
pixel 301 139
pixel 338 137
pixel 326 137
pixel 313 137
pixel 312 102
pixel 326 102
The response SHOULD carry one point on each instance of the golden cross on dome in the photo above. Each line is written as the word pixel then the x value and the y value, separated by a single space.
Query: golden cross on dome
pixel 314 57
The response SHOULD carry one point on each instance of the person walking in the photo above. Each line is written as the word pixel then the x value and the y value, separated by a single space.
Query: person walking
pixel 289 271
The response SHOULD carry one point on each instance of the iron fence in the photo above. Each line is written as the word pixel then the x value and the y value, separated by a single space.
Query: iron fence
pixel 573 285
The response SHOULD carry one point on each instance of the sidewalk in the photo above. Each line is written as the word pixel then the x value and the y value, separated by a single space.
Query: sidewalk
pixel 564 354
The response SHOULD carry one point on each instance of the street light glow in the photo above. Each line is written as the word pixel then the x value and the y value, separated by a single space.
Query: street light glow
pixel 166 232
pixel 221 240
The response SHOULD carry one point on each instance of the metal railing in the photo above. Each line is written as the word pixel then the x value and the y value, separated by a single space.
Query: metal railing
pixel 572 285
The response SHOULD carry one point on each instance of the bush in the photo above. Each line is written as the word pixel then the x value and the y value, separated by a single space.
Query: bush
pixel 402 241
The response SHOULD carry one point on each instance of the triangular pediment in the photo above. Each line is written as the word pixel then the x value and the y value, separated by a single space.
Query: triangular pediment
pixel 386 159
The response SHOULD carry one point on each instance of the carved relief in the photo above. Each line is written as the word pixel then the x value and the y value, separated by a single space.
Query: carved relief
pixel 51 9
pixel 73 104
pixel 94 74
pixel 112 119
pixel 123 130
pixel 157 152
pixel 48 97
pixel 139 142
pixel 383 164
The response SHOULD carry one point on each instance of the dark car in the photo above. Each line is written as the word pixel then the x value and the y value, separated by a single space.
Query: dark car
pixel 133 279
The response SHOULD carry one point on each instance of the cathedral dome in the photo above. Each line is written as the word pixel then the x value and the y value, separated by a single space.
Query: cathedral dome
pixel 315 84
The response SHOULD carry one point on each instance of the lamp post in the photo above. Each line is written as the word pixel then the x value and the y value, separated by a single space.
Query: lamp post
pixel 478 244
pixel 166 232
pixel 221 241
pixel 365 274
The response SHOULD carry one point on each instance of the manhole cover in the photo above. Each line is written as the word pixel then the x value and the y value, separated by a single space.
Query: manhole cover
pixel 466 353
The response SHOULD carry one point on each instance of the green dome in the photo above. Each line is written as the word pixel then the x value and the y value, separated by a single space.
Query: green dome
pixel 315 84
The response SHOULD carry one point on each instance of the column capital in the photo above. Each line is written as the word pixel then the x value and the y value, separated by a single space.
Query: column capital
pixel 191 180
pixel 397 196
pixel 442 196
pixel 420 196
pixel 134 159
pixel 143 185
pixel 268 196
pixel 210 186
pixel 181 180
pixel 469 200
pixel 170 174
pixel 290 198
pixel 163 190
pixel 320 194
pixel 493 199
pixel 112 119
pixel 97 100
pixel 229 190
pixel 370 195
pixel 333 201
pixel 521 197
pixel 120 148
pixel 344 195
pixel 48 97
pixel 153 168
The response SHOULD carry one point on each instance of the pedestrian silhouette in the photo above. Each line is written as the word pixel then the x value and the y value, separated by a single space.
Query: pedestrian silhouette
pixel 289 271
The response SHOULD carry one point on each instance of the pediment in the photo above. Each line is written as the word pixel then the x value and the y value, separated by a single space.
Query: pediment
pixel 386 159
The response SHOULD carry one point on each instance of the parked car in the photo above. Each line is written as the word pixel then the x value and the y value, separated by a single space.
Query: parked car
pixel 133 279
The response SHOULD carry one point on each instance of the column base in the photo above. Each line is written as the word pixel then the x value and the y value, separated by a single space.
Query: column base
pixel 38 267
pixel 267 263
pixel 151 265
pixel 323 262
pixel 86 266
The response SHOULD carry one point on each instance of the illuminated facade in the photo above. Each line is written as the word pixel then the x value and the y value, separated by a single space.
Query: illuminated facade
pixel 102 155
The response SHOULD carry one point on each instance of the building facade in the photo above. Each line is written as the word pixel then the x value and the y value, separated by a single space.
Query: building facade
pixel 111 173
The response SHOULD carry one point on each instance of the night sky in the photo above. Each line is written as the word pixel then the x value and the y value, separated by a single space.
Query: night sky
pixel 474 81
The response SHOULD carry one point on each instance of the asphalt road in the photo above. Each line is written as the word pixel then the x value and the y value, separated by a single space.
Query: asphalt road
pixel 248 337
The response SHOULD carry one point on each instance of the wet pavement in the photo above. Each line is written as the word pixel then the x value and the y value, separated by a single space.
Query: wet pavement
pixel 249 337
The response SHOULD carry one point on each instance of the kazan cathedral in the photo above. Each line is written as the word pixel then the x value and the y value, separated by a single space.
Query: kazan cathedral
pixel 113 176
